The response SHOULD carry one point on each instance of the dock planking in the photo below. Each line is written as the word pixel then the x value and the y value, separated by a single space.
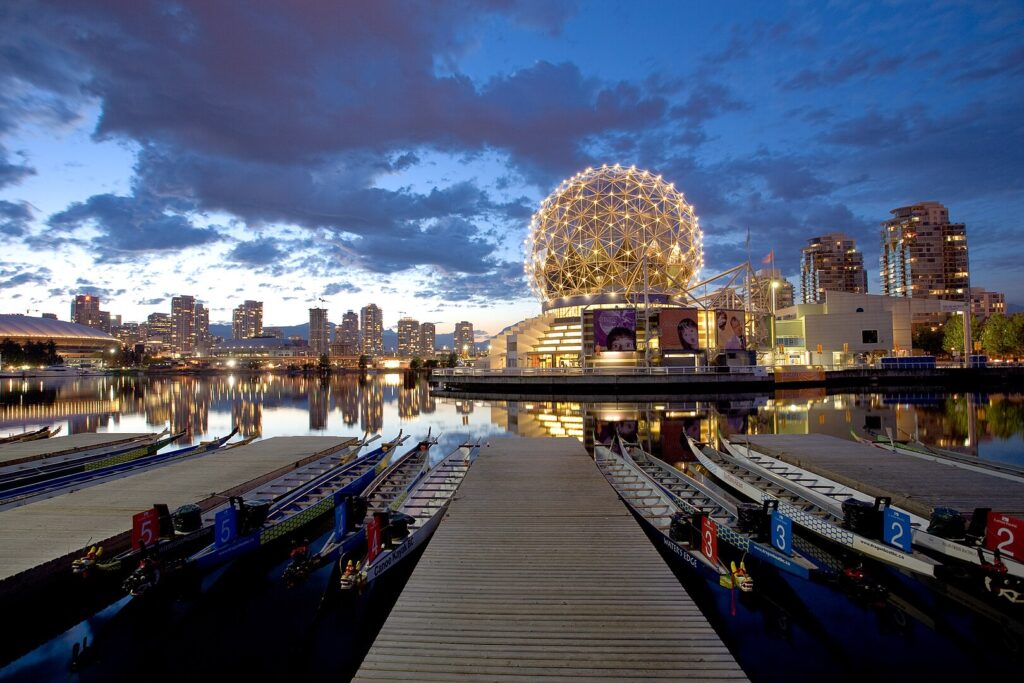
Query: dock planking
pixel 914 484
pixel 12 453
pixel 41 532
pixel 539 572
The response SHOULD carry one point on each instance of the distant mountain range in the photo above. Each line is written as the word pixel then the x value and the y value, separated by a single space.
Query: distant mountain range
pixel 223 330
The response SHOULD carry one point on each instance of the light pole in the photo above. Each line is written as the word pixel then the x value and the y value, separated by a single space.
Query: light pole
pixel 775 286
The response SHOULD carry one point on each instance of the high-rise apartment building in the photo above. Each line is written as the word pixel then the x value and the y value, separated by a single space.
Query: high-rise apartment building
pixel 831 263
pixel 247 320
pixel 202 330
pixel 778 289
pixel 985 303
pixel 85 310
pixel 428 339
pixel 346 335
pixel 463 340
pixel 158 329
pixel 408 337
pixel 183 324
pixel 319 331
pixel 371 322
pixel 924 255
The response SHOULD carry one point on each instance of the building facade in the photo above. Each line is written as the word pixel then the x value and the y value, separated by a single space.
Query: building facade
pixel 85 310
pixel 346 335
pixel 408 338
pixel 783 289
pixel 202 330
pixel 319 331
pixel 372 326
pixel 247 320
pixel 985 303
pixel 463 341
pixel 183 324
pixel 428 340
pixel 831 263
pixel 924 255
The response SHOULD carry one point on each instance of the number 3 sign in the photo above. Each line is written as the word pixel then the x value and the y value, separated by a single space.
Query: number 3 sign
pixel 1005 534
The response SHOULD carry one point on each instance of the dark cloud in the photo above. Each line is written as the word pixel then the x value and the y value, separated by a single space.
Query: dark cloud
pixel 12 173
pixel 14 218
pixel 867 61
pixel 130 225
pixel 259 252
pixel 504 281
pixel 341 287
pixel 152 302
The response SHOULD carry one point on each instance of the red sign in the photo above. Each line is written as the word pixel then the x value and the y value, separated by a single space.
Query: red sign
pixel 1005 534
pixel 709 539
pixel 145 528
pixel 372 540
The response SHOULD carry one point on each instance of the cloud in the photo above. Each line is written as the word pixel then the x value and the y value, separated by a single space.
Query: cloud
pixel 130 225
pixel 14 218
pixel 258 252
pixel 12 173
pixel 341 287
pixel 504 281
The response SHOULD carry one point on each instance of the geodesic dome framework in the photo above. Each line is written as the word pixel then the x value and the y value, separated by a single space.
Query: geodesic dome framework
pixel 596 233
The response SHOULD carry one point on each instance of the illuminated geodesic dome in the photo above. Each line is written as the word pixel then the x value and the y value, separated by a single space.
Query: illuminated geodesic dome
pixel 592 234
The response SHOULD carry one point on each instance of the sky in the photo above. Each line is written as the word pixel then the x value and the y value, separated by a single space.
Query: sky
pixel 393 152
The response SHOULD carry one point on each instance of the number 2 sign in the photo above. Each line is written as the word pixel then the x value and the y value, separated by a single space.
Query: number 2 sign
pixel 1005 534
pixel 897 530
pixel 145 528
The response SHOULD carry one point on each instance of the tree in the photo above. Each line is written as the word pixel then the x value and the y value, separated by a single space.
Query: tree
pixel 325 363
pixel 997 336
pixel 364 361
pixel 416 364
pixel 929 340
pixel 452 360
pixel 953 333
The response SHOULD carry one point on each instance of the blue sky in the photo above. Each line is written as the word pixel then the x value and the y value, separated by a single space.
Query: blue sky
pixel 393 152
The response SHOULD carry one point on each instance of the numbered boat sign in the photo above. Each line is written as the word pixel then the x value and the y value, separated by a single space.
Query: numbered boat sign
pixel 897 531
pixel 1005 534
pixel 145 528
pixel 709 539
pixel 225 526
pixel 782 533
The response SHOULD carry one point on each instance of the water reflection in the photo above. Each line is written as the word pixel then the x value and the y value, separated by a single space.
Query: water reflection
pixel 989 426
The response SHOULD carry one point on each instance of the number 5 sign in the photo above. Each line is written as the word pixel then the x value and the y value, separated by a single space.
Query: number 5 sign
pixel 225 527
pixel 145 528
pixel 1005 534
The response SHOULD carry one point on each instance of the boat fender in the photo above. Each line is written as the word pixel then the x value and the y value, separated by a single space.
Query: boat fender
pixel 948 523
pixel 187 519
pixel 979 523
pixel 679 528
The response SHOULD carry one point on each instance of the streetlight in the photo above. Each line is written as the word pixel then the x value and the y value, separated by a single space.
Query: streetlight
pixel 775 286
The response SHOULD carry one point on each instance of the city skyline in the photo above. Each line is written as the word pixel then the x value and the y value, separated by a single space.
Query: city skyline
pixel 123 173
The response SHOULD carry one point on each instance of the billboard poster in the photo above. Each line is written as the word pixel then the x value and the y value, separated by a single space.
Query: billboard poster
pixel 605 432
pixel 615 329
pixel 679 330
pixel 729 330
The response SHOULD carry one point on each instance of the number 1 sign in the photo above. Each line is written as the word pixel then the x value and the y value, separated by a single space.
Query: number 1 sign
pixel 1005 534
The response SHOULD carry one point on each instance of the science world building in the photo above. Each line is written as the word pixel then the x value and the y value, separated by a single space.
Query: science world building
pixel 615 254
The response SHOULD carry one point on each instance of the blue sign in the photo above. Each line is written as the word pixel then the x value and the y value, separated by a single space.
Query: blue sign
pixel 225 527
pixel 782 533
pixel 897 531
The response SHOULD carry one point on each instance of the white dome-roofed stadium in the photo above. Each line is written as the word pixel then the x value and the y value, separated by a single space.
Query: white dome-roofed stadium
pixel 23 328
pixel 594 235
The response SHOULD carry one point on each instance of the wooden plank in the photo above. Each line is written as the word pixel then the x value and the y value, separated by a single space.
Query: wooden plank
pixel 41 532
pixel 914 484
pixel 524 581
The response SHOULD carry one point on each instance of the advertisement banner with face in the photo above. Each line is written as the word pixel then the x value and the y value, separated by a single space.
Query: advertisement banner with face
pixel 615 329
pixel 729 330
pixel 679 331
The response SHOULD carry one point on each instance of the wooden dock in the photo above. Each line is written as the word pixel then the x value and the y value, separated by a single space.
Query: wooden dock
pixel 50 530
pixel 12 453
pixel 914 484
pixel 539 572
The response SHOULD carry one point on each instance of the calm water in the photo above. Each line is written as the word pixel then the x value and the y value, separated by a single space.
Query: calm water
pixel 247 622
